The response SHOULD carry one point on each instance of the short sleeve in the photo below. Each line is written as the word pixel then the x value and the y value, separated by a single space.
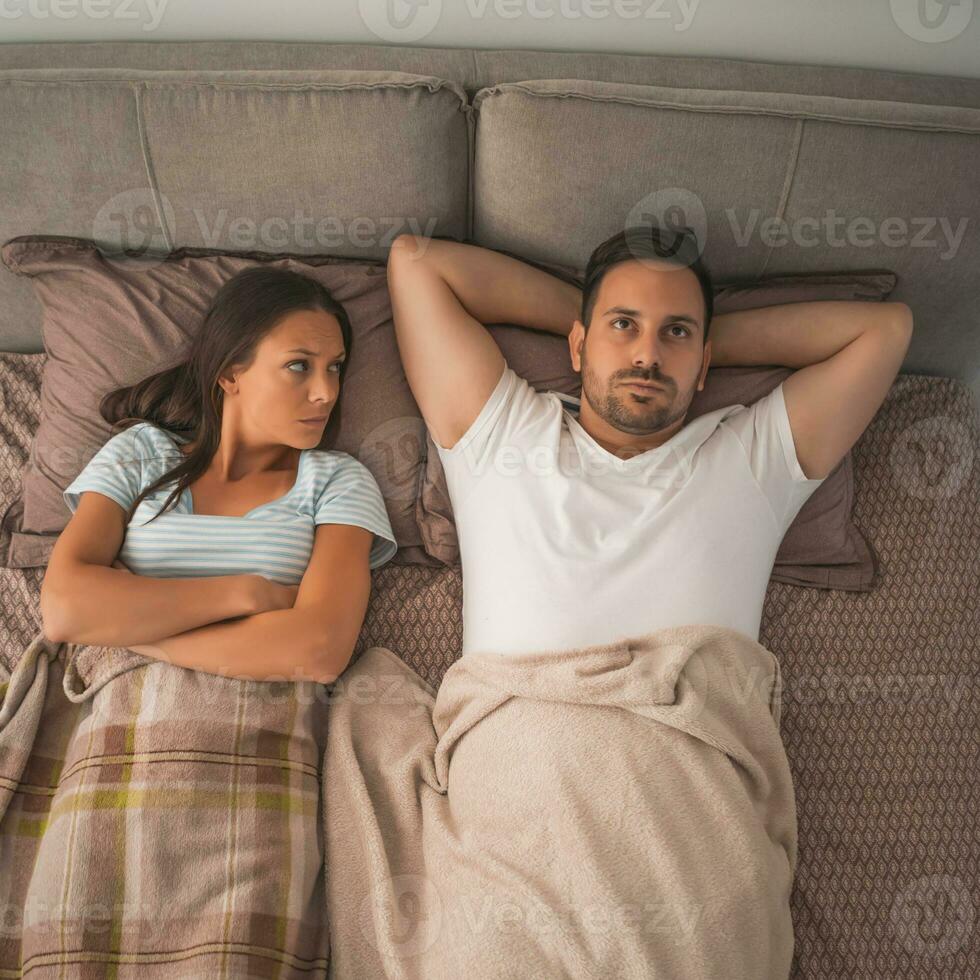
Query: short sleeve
pixel 116 471
pixel 352 496
pixel 764 431
pixel 511 407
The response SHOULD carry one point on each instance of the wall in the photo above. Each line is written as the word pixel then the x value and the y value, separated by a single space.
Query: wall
pixel 925 36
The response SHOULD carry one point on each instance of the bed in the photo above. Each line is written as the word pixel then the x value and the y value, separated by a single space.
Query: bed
pixel 881 716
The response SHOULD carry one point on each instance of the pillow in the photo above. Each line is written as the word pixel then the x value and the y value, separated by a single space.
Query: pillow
pixel 822 547
pixel 108 321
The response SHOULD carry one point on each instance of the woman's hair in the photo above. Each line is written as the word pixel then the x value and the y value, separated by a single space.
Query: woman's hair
pixel 677 246
pixel 186 398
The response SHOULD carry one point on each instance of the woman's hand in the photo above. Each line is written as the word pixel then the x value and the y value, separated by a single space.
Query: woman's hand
pixel 269 596
pixel 148 650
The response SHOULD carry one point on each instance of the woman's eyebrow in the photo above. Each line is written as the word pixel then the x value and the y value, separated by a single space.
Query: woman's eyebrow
pixel 313 353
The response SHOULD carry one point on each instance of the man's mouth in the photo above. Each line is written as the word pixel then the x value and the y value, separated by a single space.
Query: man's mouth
pixel 643 386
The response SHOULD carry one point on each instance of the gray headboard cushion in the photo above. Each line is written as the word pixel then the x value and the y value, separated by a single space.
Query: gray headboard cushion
pixel 330 163
pixel 475 68
pixel 558 150
pixel 772 183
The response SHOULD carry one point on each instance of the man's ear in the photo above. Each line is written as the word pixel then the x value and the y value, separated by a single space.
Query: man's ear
pixel 705 365
pixel 576 338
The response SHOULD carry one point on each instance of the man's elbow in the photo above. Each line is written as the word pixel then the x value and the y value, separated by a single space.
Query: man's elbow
pixel 403 245
pixel 902 315
pixel 407 249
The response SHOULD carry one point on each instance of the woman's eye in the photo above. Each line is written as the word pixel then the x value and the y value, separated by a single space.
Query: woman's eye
pixel 336 364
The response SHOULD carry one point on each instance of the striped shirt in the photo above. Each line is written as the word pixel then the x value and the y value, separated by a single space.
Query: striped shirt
pixel 274 540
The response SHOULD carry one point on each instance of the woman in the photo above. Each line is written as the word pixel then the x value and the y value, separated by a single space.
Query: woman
pixel 211 532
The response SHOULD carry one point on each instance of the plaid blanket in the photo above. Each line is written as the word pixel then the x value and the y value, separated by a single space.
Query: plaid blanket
pixel 166 824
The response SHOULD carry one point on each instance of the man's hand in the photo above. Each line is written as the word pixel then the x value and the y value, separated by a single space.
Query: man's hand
pixel 491 287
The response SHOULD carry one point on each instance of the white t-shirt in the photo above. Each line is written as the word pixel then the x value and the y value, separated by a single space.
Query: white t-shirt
pixel 564 545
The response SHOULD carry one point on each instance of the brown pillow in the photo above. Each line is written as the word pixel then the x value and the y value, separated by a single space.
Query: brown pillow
pixel 109 321
pixel 821 548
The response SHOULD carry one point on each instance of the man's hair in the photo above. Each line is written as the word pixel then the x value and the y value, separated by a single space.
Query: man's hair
pixel 678 247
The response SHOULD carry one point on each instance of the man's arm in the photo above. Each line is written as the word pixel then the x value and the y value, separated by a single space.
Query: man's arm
pixel 313 640
pixel 442 293
pixel 849 354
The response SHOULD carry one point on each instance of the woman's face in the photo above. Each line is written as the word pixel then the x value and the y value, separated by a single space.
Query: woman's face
pixel 295 376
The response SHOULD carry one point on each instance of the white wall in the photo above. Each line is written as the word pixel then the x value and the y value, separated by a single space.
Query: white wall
pixel 931 36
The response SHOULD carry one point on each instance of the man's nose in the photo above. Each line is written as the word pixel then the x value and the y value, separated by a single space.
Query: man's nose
pixel 646 353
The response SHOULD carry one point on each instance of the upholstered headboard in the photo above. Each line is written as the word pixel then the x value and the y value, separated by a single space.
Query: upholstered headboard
pixel 334 149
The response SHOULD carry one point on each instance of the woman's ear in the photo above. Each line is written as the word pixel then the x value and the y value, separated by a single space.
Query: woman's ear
pixel 228 380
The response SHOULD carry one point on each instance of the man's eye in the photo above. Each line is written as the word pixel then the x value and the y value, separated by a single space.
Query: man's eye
pixel 677 326
pixel 620 320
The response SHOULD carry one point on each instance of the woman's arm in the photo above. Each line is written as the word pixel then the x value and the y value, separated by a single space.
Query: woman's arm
pixel 282 645
pixel 86 600
pixel 312 640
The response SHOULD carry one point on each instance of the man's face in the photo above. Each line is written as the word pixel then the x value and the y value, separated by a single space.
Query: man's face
pixel 647 326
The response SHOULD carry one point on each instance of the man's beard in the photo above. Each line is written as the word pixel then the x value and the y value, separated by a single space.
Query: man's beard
pixel 616 405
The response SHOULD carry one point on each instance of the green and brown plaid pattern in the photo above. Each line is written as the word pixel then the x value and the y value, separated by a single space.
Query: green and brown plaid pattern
pixel 165 823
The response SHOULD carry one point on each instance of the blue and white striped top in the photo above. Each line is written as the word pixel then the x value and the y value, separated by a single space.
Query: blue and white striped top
pixel 274 540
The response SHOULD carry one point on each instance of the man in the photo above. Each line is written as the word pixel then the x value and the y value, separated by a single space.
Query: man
pixel 628 518
pixel 598 786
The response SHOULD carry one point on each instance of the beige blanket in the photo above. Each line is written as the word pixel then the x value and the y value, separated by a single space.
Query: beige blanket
pixel 623 811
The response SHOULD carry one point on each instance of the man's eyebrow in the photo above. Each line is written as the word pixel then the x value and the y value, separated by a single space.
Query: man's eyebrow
pixel 312 353
pixel 626 311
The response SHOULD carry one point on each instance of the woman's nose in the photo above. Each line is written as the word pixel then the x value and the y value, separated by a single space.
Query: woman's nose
pixel 321 390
